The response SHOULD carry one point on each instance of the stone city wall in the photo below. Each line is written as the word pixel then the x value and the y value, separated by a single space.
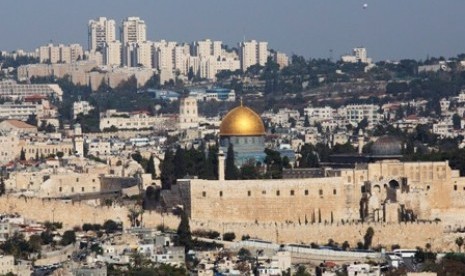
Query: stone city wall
pixel 76 214
pixel 407 235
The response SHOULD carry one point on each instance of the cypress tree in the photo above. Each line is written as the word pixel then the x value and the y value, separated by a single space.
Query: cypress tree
pixel 167 171
pixel 179 163
pixel 2 186
pixel 151 167
pixel 184 232
pixel 231 171
pixel 22 156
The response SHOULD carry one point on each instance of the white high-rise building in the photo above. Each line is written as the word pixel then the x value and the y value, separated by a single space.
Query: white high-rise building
pixel 252 53
pixel 112 53
pixel 101 31
pixel 206 48
pixel 133 30
pixel 60 53
pixel 143 54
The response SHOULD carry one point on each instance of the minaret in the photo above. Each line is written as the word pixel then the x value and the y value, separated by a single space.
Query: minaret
pixel 360 141
pixel 221 161
pixel 78 141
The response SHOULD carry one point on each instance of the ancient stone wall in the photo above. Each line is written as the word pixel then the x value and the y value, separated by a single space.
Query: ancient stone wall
pixel 76 214
pixel 407 235
pixel 311 200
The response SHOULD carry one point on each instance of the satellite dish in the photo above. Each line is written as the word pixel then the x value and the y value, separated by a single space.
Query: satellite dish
pixel 365 6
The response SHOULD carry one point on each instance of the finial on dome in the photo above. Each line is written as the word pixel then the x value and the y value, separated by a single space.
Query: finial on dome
pixel 241 101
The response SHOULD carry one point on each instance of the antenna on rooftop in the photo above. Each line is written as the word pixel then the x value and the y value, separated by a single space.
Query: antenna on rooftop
pixel 331 55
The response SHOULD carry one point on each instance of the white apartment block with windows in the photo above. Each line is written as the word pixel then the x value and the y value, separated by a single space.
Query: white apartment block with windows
pixel 81 107
pixel 207 48
pixel 133 30
pixel 318 114
pixel 357 112
pixel 13 90
pixel 358 55
pixel 281 59
pixel 112 53
pixel 143 54
pixel 100 32
pixel 123 120
pixel 252 53
pixel 60 53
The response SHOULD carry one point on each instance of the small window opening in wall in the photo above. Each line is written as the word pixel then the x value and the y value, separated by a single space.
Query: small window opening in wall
pixel 82 189
pixel 321 192
pixel 306 192
pixel 221 193
pixel 263 192
pixel 334 192
pixel 249 193
pixel 455 187
pixel 204 194
pixel 278 192
pixel 292 192
pixel 427 188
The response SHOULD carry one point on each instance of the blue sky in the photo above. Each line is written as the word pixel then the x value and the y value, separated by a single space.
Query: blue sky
pixel 390 29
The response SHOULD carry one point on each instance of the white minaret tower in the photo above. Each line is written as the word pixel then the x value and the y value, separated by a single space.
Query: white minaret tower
pixel 221 161
pixel 78 141
pixel 360 141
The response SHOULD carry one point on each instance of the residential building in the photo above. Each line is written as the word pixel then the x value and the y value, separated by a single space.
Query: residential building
pixel 101 31
pixel 11 89
pixel 252 53
pixel 81 107
pixel 112 53
pixel 60 53
pixel 133 30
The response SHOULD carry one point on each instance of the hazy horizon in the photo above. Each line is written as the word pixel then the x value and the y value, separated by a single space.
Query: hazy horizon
pixel 389 30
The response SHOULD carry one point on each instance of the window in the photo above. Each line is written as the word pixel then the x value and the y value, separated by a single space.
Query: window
pixel 72 189
pixel 77 179
pixel 334 192
pixel 82 189
pixel 321 192
pixel 278 193
pixel 455 187
pixel 263 192
pixel 60 189
pixel 306 192
pixel 204 194
pixel 249 193
pixel 292 192
pixel 221 193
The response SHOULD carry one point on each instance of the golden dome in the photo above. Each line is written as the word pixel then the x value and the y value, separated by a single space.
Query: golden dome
pixel 242 121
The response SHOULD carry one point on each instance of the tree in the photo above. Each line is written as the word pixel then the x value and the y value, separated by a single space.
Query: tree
pixel 345 245
pixel 229 236
pixel 69 237
pixel 167 171
pixel 179 162
pixel 110 226
pixel 22 155
pixel 151 167
pixel 2 186
pixel 184 232
pixel 231 171
pixel 368 238
pixel 459 243
pixel 456 121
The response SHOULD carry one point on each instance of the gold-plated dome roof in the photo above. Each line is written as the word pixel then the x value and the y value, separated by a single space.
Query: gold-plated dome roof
pixel 242 121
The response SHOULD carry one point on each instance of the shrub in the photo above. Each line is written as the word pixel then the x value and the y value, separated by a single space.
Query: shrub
pixel 229 236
